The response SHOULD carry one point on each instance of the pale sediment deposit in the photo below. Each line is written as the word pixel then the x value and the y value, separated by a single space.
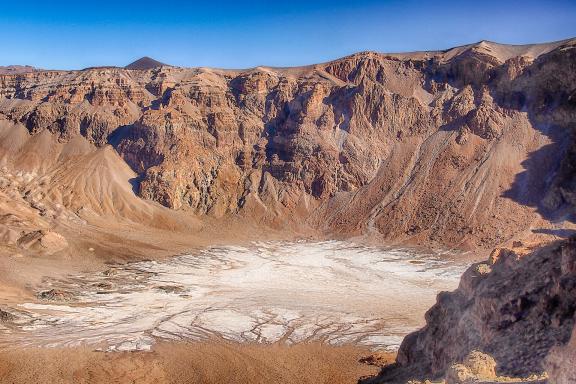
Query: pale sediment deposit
pixel 334 292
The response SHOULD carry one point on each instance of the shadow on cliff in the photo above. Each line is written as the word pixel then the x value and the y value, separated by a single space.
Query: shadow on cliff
pixel 546 90
pixel 135 184
pixel 118 134
pixel 546 173
pixel 562 233
pixel 114 139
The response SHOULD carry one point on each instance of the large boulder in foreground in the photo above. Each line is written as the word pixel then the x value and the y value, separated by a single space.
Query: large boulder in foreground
pixel 516 310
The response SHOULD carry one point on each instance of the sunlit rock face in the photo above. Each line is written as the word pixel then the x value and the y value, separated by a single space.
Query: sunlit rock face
pixel 455 147
pixel 336 292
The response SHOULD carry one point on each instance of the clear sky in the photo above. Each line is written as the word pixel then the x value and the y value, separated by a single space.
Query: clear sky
pixel 237 34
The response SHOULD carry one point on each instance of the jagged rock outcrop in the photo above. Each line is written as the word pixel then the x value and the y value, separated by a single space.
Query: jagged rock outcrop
pixel 480 368
pixel 43 241
pixel 454 147
pixel 516 310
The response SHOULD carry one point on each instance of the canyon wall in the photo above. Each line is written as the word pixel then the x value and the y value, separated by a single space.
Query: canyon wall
pixel 460 147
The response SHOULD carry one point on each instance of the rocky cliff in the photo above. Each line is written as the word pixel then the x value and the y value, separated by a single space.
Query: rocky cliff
pixel 459 147
pixel 516 307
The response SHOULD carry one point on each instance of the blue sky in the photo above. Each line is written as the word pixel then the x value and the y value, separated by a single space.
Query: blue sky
pixel 236 34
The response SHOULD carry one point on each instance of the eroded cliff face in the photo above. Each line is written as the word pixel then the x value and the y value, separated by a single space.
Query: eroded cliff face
pixel 561 362
pixel 516 307
pixel 455 147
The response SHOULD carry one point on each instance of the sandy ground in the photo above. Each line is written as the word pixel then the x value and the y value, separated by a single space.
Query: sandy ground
pixel 243 278
pixel 23 273
pixel 94 247
pixel 206 363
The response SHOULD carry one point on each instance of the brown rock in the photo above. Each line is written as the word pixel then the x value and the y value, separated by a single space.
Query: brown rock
pixel 55 295
pixel 6 316
pixel 45 241
pixel 416 147
pixel 481 365
pixel 517 313
pixel 561 363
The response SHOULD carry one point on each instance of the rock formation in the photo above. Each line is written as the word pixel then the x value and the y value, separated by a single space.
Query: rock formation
pixel 144 63
pixel 457 147
pixel 16 69
pixel 516 309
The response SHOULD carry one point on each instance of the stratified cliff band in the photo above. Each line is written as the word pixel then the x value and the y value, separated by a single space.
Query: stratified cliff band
pixel 461 147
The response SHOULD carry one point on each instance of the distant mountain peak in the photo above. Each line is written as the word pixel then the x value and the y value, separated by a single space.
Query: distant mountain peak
pixel 145 63
pixel 16 69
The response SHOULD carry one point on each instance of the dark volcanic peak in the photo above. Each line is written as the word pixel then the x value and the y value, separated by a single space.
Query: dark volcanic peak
pixel 144 63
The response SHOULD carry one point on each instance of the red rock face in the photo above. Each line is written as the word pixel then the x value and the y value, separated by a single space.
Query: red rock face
pixel 419 147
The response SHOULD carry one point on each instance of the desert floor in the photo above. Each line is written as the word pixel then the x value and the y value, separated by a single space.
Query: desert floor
pixel 208 362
